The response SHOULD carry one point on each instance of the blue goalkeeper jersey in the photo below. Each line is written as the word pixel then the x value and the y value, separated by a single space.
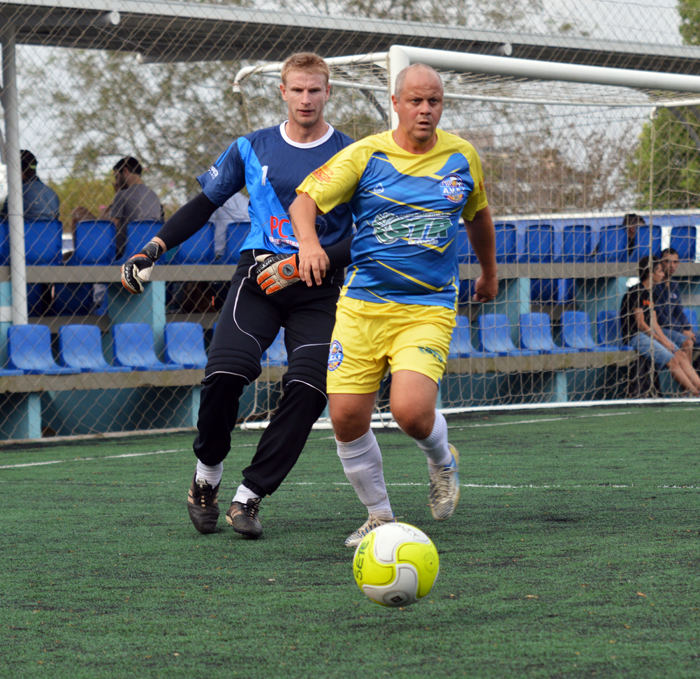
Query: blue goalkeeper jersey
pixel 270 165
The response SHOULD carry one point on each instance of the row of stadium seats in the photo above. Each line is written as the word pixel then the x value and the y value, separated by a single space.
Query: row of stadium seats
pixel 95 244
pixel 541 244
pixel 494 336
pixel 80 349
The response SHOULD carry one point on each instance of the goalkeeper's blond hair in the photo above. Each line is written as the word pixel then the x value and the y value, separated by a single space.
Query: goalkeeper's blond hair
pixel 305 61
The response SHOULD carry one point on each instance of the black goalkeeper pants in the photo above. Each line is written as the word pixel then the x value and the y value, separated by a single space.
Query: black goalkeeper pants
pixel 247 326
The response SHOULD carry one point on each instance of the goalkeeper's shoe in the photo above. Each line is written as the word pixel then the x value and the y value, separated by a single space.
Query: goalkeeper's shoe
pixel 137 270
pixel 203 505
pixel 244 518
pixel 368 526
pixel 275 272
pixel 444 488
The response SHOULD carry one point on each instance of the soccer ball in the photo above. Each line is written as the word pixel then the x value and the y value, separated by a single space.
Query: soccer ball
pixel 396 564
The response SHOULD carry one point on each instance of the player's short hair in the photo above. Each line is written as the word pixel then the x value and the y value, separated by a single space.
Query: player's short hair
pixel 305 61
pixel 401 77
pixel 646 266
pixel 28 161
pixel 129 163
pixel 668 251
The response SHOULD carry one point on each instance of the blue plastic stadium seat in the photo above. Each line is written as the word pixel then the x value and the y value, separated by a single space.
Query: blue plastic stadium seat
pixel 536 334
pixel 138 234
pixel 276 354
pixel 642 242
pixel 494 336
pixel 43 243
pixel 95 243
pixel 80 346
pixel 4 243
pixel 684 241
pixel 538 244
pixel 609 333
pixel 576 243
pixel 76 299
pixel 184 345
pixel 506 242
pixel 29 350
pixel 461 342
pixel 576 332
pixel 465 251
pixel 692 317
pixel 612 244
pixel 236 233
pixel 133 347
pixel 198 249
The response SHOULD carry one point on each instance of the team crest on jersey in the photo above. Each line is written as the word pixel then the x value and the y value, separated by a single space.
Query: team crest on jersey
pixel 213 172
pixel 453 188
pixel 335 355
pixel 323 174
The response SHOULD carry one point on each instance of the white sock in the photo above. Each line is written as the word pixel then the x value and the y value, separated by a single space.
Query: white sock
pixel 435 446
pixel 243 494
pixel 212 475
pixel 362 463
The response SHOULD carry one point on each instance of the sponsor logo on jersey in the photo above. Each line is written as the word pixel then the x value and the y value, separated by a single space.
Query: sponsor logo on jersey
pixel 431 352
pixel 417 229
pixel 323 174
pixel 335 355
pixel 379 188
pixel 213 172
pixel 453 188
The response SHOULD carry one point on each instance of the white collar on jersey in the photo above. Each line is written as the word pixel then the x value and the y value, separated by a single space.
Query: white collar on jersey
pixel 307 145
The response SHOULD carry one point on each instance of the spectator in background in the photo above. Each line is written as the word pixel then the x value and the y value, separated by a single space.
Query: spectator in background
pixel 669 310
pixel 40 201
pixel 133 200
pixel 632 221
pixel 641 330
pixel 235 209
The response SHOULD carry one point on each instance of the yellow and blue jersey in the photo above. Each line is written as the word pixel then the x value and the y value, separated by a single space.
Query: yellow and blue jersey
pixel 406 208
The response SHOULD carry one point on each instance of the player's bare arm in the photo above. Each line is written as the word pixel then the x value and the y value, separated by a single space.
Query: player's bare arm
pixel 313 261
pixel 482 236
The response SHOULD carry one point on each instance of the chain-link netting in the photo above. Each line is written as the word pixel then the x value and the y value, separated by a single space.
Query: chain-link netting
pixel 172 84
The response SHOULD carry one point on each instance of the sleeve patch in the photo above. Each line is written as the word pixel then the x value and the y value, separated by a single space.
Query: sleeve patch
pixel 323 174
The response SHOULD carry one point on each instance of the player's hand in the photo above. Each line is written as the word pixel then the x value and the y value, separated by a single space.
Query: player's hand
pixel 313 263
pixel 275 272
pixel 137 270
pixel 485 289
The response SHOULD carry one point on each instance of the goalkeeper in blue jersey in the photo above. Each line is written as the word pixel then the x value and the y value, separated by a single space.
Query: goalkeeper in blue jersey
pixel 407 190
pixel 270 163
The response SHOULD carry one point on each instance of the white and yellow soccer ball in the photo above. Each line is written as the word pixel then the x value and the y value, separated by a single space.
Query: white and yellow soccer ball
pixel 396 564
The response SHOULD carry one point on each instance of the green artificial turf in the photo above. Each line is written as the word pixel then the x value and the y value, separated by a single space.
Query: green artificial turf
pixel 574 552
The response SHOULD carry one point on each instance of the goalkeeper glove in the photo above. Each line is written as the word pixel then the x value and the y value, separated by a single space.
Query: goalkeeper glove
pixel 275 272
pixel 137 270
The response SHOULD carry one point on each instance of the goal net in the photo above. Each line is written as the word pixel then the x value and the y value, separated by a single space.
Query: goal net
pixel 568 153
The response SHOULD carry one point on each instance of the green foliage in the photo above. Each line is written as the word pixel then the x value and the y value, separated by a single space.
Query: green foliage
pixel 667 161
pixel 689 11
pixel 91 192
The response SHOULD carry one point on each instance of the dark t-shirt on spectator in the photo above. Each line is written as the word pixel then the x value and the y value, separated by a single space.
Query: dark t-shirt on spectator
pixel 637 297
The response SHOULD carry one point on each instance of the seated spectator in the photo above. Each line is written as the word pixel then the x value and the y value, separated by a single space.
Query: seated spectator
pixel 133 200
pixel 641 330
pixel 668 306
pixel 632 221
pixel 40 201
pixel 235 209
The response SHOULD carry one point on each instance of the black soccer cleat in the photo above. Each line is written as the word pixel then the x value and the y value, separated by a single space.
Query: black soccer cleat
pixel 244 518
pixel 203 505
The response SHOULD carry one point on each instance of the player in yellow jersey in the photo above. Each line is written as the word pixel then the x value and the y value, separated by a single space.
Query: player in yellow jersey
pixel 407 190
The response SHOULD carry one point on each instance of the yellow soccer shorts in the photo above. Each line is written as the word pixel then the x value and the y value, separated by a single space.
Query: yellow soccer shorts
pixel 370 337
